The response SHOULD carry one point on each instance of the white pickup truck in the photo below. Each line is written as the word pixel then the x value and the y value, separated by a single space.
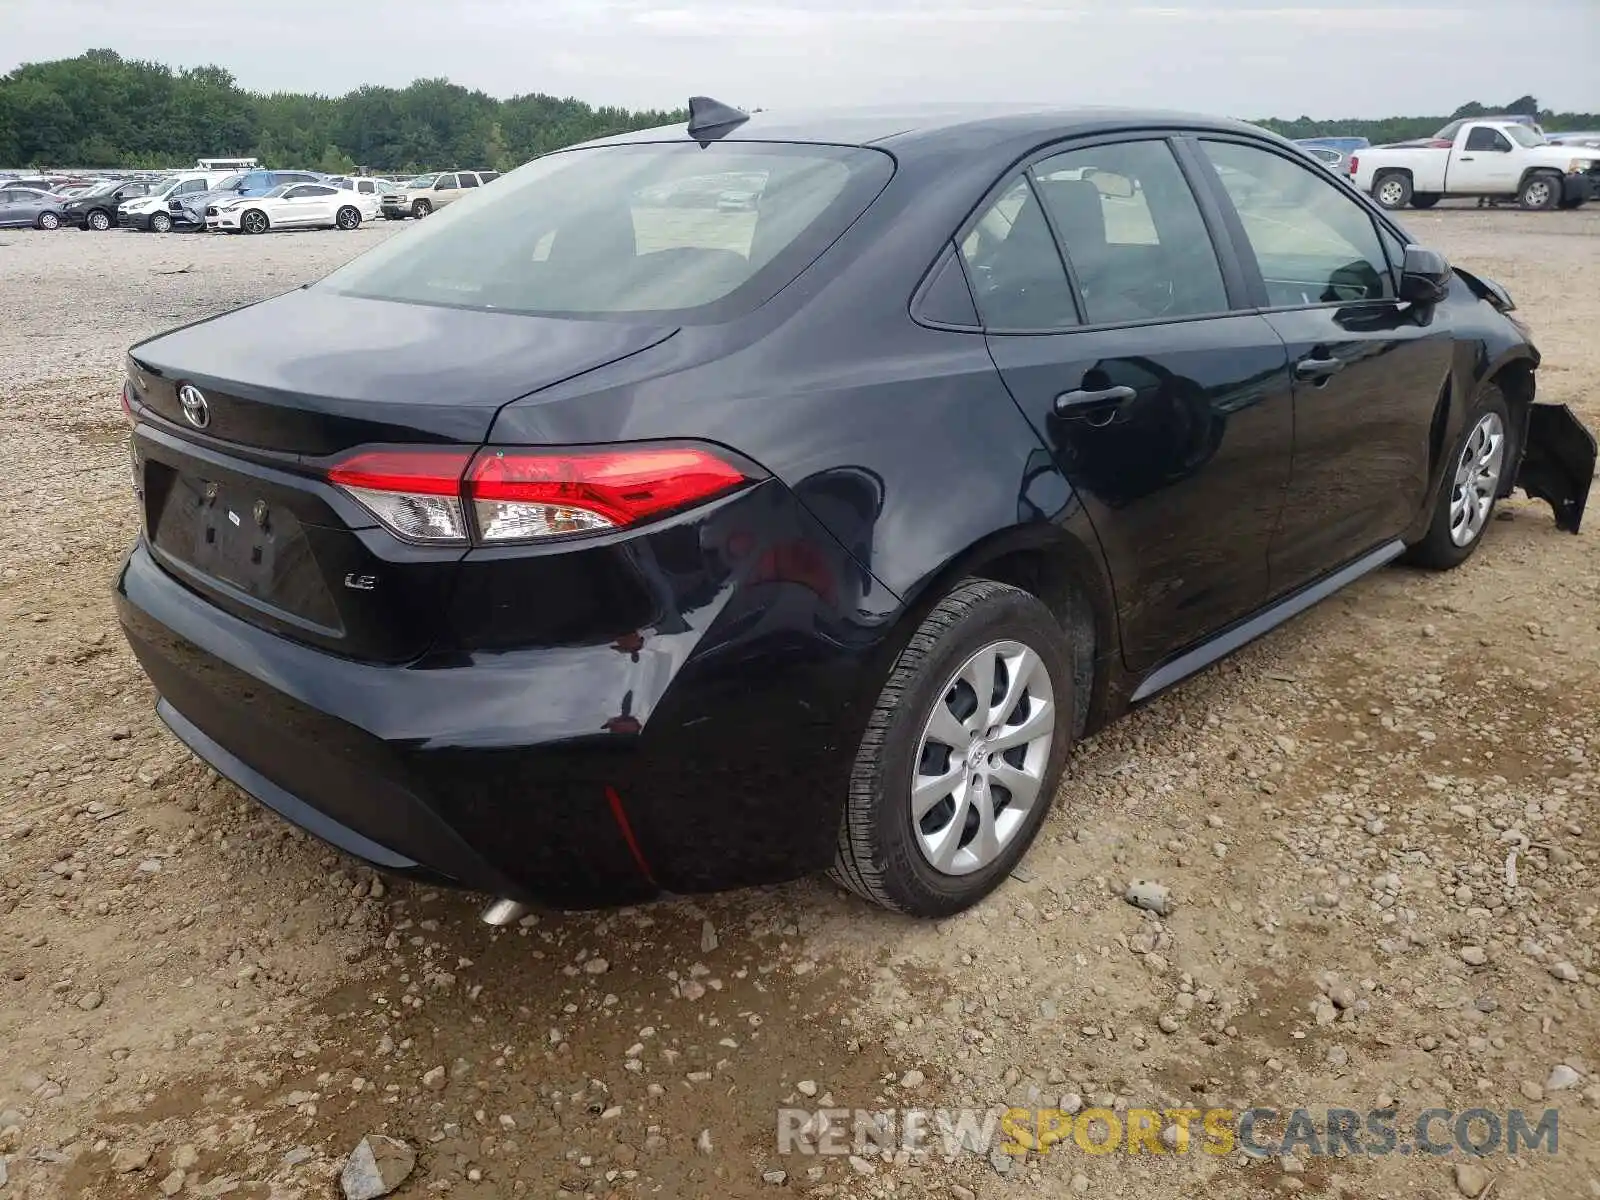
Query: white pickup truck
pixel 1485 158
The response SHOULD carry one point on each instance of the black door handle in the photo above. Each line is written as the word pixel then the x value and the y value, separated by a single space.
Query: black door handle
pixel 1091 404
pixel 1464 158
pixel 1318 368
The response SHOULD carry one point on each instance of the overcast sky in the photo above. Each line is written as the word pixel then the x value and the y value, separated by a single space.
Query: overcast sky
pixel 1246 58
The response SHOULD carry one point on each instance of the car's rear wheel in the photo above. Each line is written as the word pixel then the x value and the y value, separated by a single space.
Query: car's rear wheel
pixel 254 221
pixel 1540 192
pixel 1424 199
pixel 1473 476
pixel 160 223
pixel 348 217
pixel 1392 190
pixel 99 221
pixel 49 220
pixel 961 755
pixel 421 209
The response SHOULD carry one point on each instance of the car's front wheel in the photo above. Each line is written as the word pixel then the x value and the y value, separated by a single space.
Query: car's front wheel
pixel 160 223
pixel 1540 192
pixel 49 220
pixel 348 217
pixel 1472 480
pixel 98 220
pixel 254 221
pixel 961 755
pixel 421 209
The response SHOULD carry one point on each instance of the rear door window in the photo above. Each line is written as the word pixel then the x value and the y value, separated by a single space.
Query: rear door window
pixel 1014 266
pixel 468 179
pixel 1313 243
pixel 1134 236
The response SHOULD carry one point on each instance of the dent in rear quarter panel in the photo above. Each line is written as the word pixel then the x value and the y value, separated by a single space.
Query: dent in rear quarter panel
pixel 715 692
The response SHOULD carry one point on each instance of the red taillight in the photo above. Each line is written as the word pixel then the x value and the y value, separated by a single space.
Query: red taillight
pixel 127 404
pixel 418 472
pixel 517 494
pixel 1354 163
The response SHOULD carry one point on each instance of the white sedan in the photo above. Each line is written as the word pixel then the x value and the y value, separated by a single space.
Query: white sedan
pixel 293 206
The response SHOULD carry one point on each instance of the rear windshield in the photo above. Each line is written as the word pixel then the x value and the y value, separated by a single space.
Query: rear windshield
pixel 614 230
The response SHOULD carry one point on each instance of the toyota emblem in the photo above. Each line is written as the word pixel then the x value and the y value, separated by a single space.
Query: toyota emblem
pixel 195 409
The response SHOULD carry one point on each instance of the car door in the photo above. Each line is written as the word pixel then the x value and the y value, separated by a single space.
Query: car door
pixel 7 206
pixel 1117 327
pixel 1369 371
pixel 296 208
pixel 1482 161
pixel 445 189
pixel 26 205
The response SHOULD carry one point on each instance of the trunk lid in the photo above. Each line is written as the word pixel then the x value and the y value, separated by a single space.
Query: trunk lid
pixel 234 495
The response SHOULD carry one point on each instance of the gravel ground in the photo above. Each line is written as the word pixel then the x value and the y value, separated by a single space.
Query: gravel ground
pixel 1378 825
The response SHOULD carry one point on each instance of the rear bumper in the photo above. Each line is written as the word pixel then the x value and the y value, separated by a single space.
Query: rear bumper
pixel 710 749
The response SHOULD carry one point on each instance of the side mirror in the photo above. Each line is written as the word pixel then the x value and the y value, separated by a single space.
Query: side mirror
pixel 1425 276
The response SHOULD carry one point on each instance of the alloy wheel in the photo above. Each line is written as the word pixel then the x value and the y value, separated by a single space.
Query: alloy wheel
pixel 982 758
pixel 254 222
pixel 1537 194
pixel 49 221
pixel 1390 193
pixel 161 223
pixel 1477 479
pixel 99 220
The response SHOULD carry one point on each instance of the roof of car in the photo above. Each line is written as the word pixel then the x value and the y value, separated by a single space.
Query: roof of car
pixel 934 125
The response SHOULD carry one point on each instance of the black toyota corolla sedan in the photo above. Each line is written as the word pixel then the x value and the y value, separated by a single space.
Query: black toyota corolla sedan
pixel 715 504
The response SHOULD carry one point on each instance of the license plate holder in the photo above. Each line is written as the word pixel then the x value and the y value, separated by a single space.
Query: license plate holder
pixel 229 534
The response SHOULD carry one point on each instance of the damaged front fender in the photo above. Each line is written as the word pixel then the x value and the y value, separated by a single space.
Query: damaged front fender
pixel 1558 461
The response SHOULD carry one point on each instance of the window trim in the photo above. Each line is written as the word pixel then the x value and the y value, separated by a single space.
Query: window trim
pixel 1235 281
pixel 1245 252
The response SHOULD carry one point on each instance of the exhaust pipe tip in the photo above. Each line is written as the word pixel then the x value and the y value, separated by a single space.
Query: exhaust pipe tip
pixel 503 912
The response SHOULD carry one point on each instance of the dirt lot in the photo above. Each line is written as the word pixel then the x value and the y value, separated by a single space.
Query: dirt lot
pixel 195 999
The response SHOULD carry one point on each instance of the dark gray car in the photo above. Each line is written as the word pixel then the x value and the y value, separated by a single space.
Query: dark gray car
pixel 29 206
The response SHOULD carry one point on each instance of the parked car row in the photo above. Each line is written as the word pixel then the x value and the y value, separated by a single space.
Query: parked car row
pixel 248 201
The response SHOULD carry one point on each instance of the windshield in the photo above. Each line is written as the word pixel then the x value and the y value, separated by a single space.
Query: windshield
pixel 1524 136
pixel 614 230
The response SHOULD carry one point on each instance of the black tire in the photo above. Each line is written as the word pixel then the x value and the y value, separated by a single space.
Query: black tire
pixel 253 220
pixel 99 220
pixel 1392 189
pixel 1424 199
pixel 1438 549
pixel 420 209
pixel 48 220
pixel 1540 191
pixel 878 855
pixel 160 223
pixel 393 216
pixel 1575 202
pixel 348 217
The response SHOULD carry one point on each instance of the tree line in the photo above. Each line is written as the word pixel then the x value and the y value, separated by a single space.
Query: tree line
pixel 103 110
pixel 1399 129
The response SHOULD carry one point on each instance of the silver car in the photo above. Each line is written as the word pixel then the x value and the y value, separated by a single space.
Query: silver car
pixel 29 206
